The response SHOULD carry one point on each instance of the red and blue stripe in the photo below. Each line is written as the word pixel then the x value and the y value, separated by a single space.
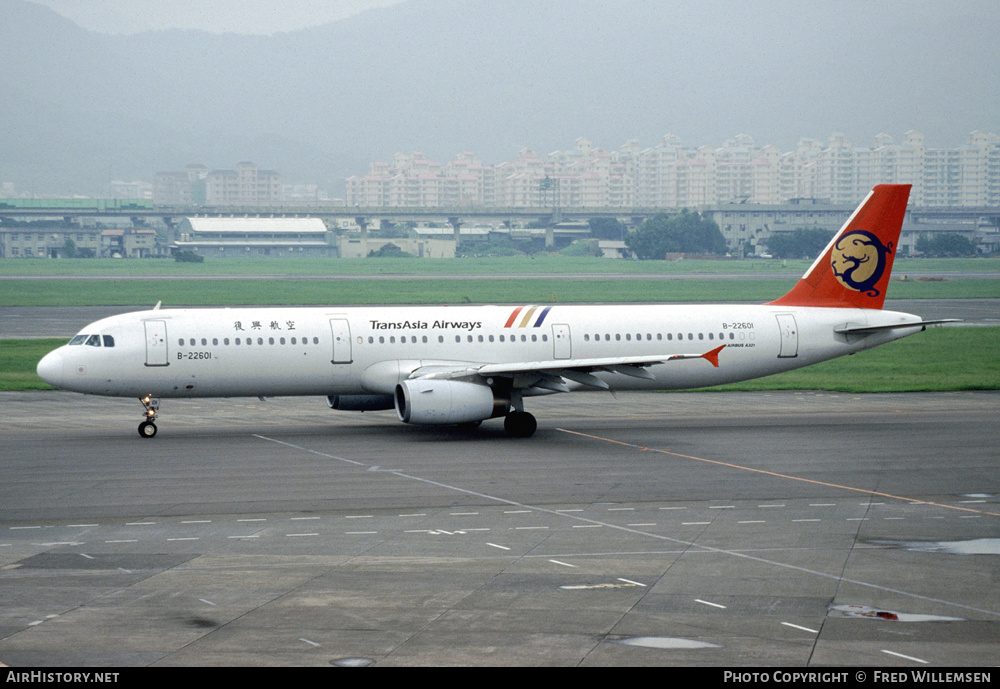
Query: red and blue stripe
pixel 529 317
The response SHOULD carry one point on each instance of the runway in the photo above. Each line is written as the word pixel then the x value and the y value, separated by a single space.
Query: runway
pixel 713 529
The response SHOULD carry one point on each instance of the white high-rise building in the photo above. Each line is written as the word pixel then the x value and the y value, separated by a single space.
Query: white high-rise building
pixel 669 175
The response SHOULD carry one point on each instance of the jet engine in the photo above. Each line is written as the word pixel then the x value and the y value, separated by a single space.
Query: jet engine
pixel 359 402
pixel 448 401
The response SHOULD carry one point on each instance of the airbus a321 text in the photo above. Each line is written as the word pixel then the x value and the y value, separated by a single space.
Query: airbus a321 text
pixel 466 364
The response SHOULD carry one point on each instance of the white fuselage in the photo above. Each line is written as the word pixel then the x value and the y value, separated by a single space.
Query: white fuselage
pixel 274 351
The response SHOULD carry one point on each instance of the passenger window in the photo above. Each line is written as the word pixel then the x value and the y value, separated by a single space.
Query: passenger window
pixel 108 341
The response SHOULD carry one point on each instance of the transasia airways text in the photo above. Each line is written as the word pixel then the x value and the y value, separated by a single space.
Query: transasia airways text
pixel 424 325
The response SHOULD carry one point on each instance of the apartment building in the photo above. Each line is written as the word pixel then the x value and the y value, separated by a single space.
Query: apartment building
pixel 247 185
pixel 670 175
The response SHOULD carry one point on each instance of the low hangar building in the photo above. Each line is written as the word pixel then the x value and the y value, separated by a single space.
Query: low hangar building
pixel 256 237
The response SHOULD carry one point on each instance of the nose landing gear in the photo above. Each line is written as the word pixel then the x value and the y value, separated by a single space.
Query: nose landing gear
pixel 147 429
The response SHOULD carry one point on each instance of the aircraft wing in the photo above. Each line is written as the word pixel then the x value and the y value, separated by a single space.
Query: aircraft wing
pixel 547 374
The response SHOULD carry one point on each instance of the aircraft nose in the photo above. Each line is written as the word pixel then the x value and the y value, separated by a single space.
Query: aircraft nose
pixel 50 368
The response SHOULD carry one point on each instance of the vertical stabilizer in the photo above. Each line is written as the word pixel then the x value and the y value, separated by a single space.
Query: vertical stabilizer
pixel 854 269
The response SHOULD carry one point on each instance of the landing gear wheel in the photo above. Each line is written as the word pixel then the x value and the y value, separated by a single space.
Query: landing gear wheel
pixel 520 424
pixel 147 429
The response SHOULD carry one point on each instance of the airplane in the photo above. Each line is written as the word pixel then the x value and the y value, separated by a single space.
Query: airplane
pixel 462 365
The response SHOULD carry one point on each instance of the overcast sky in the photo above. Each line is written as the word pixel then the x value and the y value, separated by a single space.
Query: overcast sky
pixel 215 16
pixel 488 76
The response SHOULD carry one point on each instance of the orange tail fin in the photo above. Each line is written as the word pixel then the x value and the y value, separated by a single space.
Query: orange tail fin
pixel 854 269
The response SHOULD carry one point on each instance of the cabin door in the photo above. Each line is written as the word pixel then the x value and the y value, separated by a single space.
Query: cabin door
pixel 156 343
pixel 562 346
pixel 341 331
pixel 789 336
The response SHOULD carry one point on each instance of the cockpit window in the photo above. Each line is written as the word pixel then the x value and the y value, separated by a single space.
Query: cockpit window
pixel 79 339
pixel 108 340
pixel 94 341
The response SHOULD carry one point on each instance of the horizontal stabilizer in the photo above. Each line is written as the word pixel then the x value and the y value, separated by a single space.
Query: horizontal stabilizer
pixel 864 329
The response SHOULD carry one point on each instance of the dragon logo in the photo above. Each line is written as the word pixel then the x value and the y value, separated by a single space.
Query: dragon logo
pixel 858 261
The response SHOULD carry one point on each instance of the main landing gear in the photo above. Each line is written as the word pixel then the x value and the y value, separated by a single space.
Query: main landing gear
pixel 520 424
pixel 147 429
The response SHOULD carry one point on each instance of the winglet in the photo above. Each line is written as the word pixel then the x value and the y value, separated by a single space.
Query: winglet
pixel 713 356
pixel 853 271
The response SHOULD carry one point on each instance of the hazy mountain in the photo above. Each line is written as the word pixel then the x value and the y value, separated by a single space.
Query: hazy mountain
pixel 78 109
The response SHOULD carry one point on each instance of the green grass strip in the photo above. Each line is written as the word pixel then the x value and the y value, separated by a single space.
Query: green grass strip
pixel 937 360
pixel 499 290
pixel 538 264
pixel 18 359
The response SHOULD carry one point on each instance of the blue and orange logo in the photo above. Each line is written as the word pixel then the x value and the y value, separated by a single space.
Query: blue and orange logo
pixel 527 317
pixel 858 260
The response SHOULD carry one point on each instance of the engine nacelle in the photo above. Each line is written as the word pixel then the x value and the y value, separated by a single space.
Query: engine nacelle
pixel 447 402
pixel 359 402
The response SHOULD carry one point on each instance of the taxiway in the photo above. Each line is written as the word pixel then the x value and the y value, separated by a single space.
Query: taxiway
pixel 727 529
